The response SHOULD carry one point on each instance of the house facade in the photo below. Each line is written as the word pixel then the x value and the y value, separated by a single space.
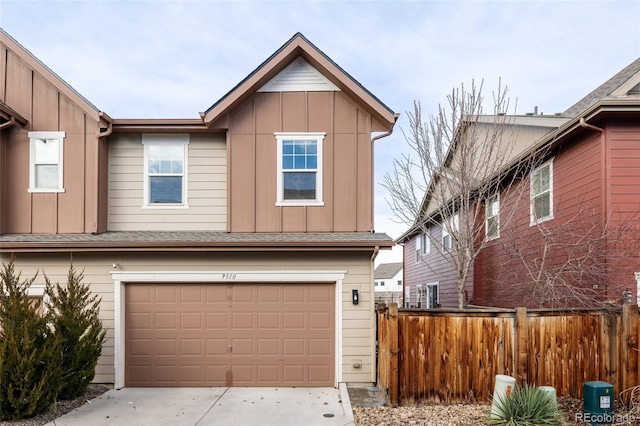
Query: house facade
pixel 227 249
pixel 571 238
pixel 388 283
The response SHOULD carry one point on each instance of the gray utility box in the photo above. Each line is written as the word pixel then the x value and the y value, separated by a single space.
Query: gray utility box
pixel 598 403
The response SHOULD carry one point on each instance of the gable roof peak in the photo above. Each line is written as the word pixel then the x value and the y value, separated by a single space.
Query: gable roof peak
pixel 618 85
pixel 298 46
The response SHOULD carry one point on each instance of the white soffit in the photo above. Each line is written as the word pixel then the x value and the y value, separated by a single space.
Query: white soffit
pixel 299 76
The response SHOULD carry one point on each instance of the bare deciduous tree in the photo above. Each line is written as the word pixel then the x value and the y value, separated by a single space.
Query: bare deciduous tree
pixel 568 264
pixel 458 160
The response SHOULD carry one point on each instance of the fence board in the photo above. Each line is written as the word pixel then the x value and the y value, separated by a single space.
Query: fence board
pixel 454 355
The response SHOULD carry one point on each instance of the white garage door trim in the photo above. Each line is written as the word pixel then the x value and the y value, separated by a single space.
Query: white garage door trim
pixel 122 278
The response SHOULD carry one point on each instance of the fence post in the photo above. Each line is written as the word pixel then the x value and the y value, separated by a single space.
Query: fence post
pixel 393 355
pixel 629 352
pixel 522 348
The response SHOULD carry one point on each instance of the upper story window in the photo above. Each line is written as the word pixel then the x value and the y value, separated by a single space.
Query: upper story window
pixel 419 248
pixel 165 170
pixel 426 243
pixel 542 193
pixel 447 238
pixel 492 217
pixel 45 161
pixel 299 179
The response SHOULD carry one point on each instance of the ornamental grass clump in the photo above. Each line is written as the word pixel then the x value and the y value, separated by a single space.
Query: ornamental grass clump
pixel 525 406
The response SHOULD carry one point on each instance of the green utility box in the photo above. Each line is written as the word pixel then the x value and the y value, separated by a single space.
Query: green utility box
pixel 598 403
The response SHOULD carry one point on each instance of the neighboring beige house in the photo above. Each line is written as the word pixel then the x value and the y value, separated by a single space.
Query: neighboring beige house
pixel 388 283
pixel 227 248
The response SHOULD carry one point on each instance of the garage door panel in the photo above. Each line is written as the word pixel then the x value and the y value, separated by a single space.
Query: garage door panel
pixel 165 321
pixel 242 320
pixel 217 320
pixel 280 334
pixel 191 321
pixel 320 321
pixel 166 294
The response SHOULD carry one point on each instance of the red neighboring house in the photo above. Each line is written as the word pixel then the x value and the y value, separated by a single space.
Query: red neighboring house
pixel 572 239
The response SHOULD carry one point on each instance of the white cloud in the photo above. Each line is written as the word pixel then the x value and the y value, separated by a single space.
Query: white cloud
pixel 176 58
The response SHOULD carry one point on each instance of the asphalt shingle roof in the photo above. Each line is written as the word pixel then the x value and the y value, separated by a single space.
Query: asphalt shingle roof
pixel 387 270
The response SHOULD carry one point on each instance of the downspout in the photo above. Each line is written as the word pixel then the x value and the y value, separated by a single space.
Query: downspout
pixel 375 138
pixel 604 167
pixel 107 119
pixel 9 123
pixel 603 178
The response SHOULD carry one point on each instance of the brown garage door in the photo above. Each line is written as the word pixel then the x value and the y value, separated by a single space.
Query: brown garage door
pixel 229 335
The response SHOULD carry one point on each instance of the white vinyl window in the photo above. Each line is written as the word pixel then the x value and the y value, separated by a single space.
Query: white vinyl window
pixel 299 179
pixel 418 249
pixel 165 170
pixel 432 295
pixel 492 217
pixel 447 238
pixel 542 193
pixel 407 296
pixel 46 153
pixel 426 244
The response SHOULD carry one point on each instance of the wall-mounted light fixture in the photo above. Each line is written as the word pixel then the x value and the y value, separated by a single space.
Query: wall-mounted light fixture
pixel 355 298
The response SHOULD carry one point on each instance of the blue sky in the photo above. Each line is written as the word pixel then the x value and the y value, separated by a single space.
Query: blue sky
pixel 174 59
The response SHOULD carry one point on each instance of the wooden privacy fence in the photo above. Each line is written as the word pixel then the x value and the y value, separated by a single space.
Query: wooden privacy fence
pixel 454 355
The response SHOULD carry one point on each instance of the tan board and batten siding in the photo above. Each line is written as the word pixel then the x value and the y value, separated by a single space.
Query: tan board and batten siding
pixel 357 341
pixel 347 163
pixel 206 187
pixel 47 105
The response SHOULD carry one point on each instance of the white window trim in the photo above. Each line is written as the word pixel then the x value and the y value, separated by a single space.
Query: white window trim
pixel 120 279
pixel 407 296
pixel 33 137
pixel 533 220
pixel 437 286
pixel 282 136
pixel 418 258
pixel 167 140
pixel 445 233
pixel 488 205
pixel 426 246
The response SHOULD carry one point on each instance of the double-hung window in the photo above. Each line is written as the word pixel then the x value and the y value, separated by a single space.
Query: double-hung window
pixel 165 170
pixel 492 217
pixel 447 238
pixel 426 243
pixel 45 161
pixel 542 193
pixel 299 179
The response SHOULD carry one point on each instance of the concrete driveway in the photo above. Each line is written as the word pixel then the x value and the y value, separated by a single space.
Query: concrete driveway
pixel 214 406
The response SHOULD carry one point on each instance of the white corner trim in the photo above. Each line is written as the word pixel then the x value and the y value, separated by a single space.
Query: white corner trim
pixel 120 278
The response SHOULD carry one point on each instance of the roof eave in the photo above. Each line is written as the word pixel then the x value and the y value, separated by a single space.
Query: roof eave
pixel 298 45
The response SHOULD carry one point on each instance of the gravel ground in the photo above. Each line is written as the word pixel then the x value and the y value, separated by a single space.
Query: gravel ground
pixel 62 407
pixel 460 415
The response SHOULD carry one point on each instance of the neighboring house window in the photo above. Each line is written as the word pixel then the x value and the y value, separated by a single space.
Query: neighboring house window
pixel 381 283
pixel 45 161
pixel 492 217
pixel 400 283
pixel 299 180
pixel 418 249
pixel 376 283
pixel 419 295
pixel 426 244
pixel 165 170
pixel 432 295
pixel 542 193
pixel 407 296
pixel 447 238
